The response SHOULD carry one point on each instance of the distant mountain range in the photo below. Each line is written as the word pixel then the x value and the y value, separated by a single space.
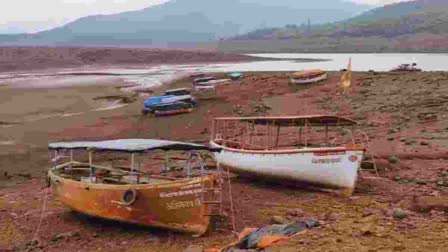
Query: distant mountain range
pixel 420 25
pixel 189 21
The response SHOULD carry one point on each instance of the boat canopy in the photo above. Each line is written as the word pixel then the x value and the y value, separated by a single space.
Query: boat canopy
pixel 178 89
pixel 312 120
pixel 308 73
pixel 131 145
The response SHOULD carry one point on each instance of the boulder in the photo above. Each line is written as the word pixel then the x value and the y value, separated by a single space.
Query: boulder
pixel 399 213
pixel 297 212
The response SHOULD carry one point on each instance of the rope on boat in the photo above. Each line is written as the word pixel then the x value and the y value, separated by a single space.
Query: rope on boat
pixel 43 209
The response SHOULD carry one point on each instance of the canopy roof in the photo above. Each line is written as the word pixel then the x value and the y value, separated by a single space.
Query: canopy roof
pixel 178 89
pixel 311 120
pixel 130 145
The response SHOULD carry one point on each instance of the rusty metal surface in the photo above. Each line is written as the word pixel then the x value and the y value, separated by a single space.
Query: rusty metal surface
pixel 174 205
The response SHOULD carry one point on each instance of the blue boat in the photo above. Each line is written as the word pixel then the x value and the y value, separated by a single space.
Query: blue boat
pixel 152 102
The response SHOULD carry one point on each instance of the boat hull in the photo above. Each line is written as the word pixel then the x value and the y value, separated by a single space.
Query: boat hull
pixel 174 205
pixel 333 168
pixel 172 112
pixel 309 81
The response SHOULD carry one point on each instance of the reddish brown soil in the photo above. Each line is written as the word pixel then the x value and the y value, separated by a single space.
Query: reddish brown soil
pixel 404 116
pixel 30 58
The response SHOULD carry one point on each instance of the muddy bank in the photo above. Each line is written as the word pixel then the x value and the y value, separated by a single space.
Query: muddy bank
pixel 404 116
pixel 34 58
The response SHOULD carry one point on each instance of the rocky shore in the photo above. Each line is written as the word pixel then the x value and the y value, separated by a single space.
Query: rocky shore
pixel 404 116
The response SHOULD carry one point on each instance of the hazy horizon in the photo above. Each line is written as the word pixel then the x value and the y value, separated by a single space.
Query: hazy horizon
pixel 53 13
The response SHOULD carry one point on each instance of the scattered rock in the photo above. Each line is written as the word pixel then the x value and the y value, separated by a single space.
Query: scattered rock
pixel 400 214
pixel 32 243
pixel 278 220
pixel 297 212
pixel 420 181
pixel 393 160
pixel 408 142
pixel 57 237
pixel 397 178
pixel 391 138
pixel 367 229
pixel 76 234
pixel 424 143
pixel 331 217
pixel 440 182
pixel 194 248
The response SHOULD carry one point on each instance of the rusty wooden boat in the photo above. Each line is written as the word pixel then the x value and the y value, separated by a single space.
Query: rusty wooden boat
pixel 179 197
pixel 315 150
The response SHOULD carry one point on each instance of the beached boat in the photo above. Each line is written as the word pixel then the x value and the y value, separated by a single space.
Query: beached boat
pixel 173 108
pixel 308 76
pixel 213 82
pixel 406 68
pixel 178 91
pixel 313 150
pixel 156 101
pixel 210 85
pixel 235 76
pixel 203 79
pixel 178 198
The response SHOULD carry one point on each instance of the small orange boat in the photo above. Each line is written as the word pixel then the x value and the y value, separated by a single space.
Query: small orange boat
pixel 308 76
pixel 180 200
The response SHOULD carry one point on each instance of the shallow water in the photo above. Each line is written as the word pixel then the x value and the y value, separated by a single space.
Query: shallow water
pixel 363 61
pixel 156 75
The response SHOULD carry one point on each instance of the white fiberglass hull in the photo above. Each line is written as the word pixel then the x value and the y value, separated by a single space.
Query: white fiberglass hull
pixel 308 81
pixel 335 168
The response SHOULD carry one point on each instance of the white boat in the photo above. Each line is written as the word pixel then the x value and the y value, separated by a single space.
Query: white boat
pixel 277 148
pixel 213 82
pixel 308 77
pixel 210 85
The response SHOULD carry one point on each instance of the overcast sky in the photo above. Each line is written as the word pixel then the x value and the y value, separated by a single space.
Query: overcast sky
pixel 36 15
